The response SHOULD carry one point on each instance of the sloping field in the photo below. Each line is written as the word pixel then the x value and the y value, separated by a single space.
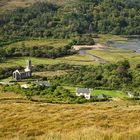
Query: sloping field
pixel 41 42
pixel 13 4
pixel 20 119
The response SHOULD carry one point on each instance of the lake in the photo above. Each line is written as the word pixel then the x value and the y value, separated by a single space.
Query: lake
pixel 133 44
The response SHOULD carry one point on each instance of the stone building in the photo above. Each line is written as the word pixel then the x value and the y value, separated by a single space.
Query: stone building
pixel 23 74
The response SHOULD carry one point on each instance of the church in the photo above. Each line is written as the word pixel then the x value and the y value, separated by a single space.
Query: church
pixel 23 74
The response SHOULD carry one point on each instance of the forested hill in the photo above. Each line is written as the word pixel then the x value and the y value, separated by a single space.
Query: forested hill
pixel 44 19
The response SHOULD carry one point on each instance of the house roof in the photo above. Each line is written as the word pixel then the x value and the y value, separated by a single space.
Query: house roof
pixel 43 83
pixel 82 90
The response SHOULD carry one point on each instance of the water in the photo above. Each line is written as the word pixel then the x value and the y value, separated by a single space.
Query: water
pixel 130 44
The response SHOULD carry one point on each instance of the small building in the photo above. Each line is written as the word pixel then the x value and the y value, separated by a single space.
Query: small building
pixel 83 92
pixel 43 83
pixel 130 95
pixel 22 74
pixel 102 96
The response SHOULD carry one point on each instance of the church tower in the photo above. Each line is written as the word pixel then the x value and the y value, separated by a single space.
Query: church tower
pixel 28 69
pixel 28 64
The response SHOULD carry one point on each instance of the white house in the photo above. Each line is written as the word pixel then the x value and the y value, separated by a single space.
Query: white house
pixel 83 92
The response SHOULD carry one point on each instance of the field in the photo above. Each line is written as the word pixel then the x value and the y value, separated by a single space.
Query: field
pixel 110 93
pixel 104 38
pixel 74 60
pixel 134 59
pixel 21 119
pixel 41 42
pixel 30 116
pixel 50 73
pixel 7 5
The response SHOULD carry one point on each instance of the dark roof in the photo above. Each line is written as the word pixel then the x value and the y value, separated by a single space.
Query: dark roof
pixel 102 96
pixel 82 90
pixel 43 83
pixel 94 97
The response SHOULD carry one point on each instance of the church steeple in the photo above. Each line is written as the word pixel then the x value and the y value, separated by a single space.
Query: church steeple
pixel 28 64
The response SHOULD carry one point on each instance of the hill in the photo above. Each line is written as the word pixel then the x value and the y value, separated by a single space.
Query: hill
pixel 108 120
pixel 43 19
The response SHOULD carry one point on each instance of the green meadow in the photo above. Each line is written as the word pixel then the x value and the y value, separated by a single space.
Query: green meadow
pixel 134 59
pixel 41 42
pixel 74 60
pixel 110 93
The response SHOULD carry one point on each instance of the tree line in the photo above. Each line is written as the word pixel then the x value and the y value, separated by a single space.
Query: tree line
pixel 118 76
pixel 43 51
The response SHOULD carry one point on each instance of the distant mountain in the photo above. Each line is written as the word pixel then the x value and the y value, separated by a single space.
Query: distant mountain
pixel 68 18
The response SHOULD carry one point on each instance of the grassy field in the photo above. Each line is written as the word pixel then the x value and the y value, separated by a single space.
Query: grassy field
pixel 41 42
pixel 50 73
pixel 104 38
pixel 8 5
pixel 134 59
pixel 74 60
pixel 21 119
pixel 111 93
pixel 119 50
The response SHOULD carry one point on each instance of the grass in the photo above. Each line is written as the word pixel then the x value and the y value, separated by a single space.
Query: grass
pixel 50 73
pixel 111 57
pixel 36 42
pixel 118 50
pixel 8 5
pixel 94 92
pixel 21 119
pixel 74 60
pixel 111 93
pixel 134 59
pixel 103 38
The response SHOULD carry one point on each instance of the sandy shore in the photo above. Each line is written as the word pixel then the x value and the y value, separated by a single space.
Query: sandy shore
pixel 97 46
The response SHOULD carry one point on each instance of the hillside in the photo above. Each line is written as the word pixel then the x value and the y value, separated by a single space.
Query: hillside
pixel 72 18
pixel 68 70
pixel 117 120
pixel 8 5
